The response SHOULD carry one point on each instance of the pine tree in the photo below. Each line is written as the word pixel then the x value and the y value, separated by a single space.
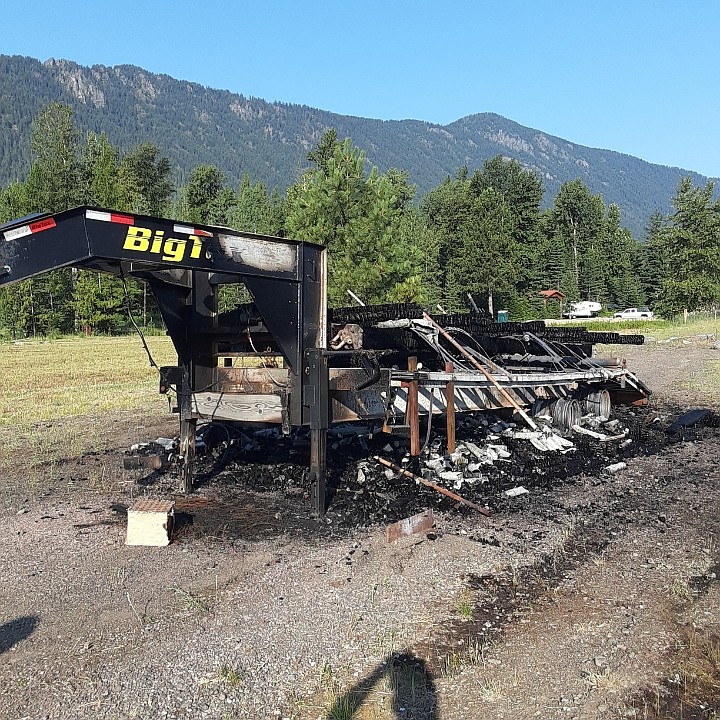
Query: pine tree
pixel 144 181
pixel 205 199
pixel 255 211
pixel 577 217
pixel 54 182
pixel 99 172
pixel 53 185
pixel 359 218
pixel 653 266
pixel 693 239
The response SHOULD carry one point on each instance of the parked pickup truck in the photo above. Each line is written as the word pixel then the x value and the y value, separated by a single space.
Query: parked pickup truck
pixel 582 309
pixel 635 314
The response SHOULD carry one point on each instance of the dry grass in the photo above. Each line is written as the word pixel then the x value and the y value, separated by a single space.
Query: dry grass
pixel 63 402
pixel 48 380
pixel 661 330
pixel 691 689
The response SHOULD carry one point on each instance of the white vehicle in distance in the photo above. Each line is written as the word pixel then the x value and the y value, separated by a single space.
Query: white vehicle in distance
pixel 582 309
pixel 639 313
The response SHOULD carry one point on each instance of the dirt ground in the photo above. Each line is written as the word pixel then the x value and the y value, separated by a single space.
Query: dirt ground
pixel 595 595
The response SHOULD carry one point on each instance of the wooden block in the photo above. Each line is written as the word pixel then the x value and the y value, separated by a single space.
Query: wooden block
pixel 150 522
pixel 410 525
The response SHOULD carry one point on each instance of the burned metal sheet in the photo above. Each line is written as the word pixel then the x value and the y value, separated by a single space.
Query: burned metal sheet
pixel 261 254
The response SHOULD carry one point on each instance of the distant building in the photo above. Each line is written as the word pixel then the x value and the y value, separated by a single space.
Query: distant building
pixel 556 296
pixel 552 295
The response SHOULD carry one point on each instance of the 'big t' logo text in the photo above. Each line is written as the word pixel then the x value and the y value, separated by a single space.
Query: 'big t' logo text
pixel 172 249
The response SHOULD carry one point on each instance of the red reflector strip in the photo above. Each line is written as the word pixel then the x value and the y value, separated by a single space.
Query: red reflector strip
pixel 109 217
pixel 191 231
pixel 41 225
pixel 122 219
pixel 30 229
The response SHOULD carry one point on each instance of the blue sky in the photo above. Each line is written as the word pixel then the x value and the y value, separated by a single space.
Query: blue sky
pixel 634 76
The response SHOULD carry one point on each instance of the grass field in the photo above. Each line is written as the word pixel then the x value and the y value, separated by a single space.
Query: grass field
pixel 652 329
pixel 53 379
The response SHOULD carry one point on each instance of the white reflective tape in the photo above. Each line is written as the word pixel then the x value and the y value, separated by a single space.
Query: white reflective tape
pixel 191 231
pixel 19 232
pixel 97 215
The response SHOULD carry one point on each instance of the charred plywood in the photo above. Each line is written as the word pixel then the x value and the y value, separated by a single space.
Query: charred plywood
pixel 238 407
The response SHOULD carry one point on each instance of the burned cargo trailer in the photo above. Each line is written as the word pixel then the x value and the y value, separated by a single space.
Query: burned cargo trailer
pixel 284 359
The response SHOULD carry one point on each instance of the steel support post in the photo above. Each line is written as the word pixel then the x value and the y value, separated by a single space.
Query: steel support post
pixel 318 469
pixel 188 426
pixel 317 399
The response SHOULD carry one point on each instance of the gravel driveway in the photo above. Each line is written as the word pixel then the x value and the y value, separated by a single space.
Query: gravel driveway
pixel 593 596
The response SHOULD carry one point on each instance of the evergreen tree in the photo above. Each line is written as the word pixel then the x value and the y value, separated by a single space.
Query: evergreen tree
pixel 99 172
pixel 693 241
pixel 205 199
pixel 100 302
pixel 621 285
pixel 45 304
pixel 13 202
pixel 255 211
pixel 54 183
pixel 653 269
pixel 446 211
pixel 475 230
pixel 423 286
pixel 577 218
pixel 485 254
pixel 358 217
pixel 522 191
pixel 144 181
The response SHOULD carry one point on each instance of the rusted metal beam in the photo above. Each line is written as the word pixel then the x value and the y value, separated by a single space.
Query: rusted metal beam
pixel 450 408
pixel 412 417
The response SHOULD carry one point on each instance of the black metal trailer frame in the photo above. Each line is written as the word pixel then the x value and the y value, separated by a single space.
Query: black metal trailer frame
pixel 307 383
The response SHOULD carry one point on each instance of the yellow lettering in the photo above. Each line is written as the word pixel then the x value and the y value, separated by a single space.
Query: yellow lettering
pixel 137 238
pixel 157 241
pixel 174 250
pixel 196 246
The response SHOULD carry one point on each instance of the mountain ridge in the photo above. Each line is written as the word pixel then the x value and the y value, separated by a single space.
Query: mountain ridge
pixel 195 124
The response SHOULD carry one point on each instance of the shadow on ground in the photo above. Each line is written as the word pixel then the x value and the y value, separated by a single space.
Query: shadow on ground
pixel 411 686
pixel 16 630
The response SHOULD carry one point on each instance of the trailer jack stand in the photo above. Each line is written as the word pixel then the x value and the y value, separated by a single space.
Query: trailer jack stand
pixel 318 470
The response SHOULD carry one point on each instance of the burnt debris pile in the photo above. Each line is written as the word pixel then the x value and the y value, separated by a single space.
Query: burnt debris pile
pixel 452 412
pixel 497 463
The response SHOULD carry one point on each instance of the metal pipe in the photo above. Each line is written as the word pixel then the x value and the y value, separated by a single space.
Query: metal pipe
pixel 432 485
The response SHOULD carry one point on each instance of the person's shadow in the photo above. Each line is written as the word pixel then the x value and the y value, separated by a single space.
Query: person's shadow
pixel 412 687
pixel 16 630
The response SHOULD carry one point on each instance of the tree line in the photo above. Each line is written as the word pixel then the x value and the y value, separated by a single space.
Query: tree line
pixel 479 237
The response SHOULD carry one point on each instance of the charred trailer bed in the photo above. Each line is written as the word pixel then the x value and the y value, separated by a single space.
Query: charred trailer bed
pixel 388 363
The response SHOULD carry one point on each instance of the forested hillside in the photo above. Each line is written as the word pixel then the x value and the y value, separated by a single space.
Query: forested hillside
pixel 193 125
pixel 482 237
